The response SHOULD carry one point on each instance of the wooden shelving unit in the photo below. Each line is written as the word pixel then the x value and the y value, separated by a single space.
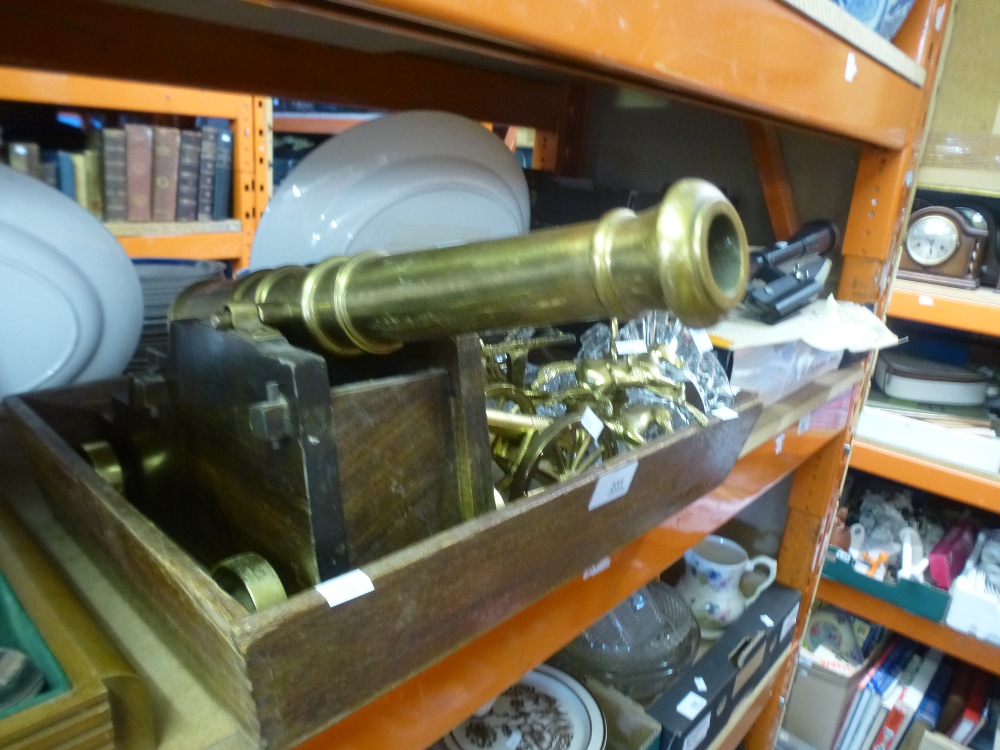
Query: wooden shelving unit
pixel 977 310
pixel 315 123
pixel 225 240
pixel 765 61
pixel 937 635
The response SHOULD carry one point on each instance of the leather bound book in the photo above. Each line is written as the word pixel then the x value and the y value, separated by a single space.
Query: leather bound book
pixel 93 175
pixel 206 172
pixel 113 151
pixel 166 158
pixel 187 175
pixel 139 172
pixel 223 176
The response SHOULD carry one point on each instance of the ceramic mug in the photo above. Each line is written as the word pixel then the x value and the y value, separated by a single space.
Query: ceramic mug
pixel 711 582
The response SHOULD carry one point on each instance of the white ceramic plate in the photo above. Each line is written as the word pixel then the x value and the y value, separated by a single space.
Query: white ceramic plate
pixel 52 321
pixel 546 707
pixel 62 224
pixel 407 181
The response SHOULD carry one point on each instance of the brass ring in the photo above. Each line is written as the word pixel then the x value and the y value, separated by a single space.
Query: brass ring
pixel 250 580
pixel 314 308
pixel 340 307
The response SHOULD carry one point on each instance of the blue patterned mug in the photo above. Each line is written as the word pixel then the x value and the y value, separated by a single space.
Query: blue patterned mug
pixel 711 582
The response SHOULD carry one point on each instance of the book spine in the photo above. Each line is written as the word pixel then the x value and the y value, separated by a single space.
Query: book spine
pixel 206 172
pixel 166 158
pixel 113 152
pixel 223 176
pixel 139 172
pixel 94 176
pixel 80 179
pixel 187 175
pixel 25 158
pixel 852 715
pixel 67 178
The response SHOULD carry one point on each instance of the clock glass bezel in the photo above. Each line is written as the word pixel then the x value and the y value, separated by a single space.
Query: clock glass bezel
pixel 921 226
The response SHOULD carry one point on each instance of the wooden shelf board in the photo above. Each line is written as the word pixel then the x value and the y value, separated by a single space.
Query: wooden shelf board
pixel 172 228
pixel 750 708
pixel 976 310
pixel 971 487
pixel 984 182
pixel 937 635
pixel 65 89
pixel 315 124
pixel 224 246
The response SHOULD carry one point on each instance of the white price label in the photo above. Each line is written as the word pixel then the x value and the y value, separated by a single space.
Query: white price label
pixel 613 485
pixel 698 734
pixel 702 340
pixel 631 346
pixel 598 567
pixel 789 623
pixel 592 423
pixel 514 740
pixel 345 587
pixel 691 705
pixel 926 300
pixel 724 413
pixel 851 70
pixel 804 423
pixel 779 444
pixel 700 684
pixel 768 622
pixel 939 18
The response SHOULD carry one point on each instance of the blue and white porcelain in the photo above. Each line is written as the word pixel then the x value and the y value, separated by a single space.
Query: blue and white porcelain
pixel 884 17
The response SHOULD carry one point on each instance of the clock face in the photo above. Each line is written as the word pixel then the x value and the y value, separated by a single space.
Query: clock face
pixel 931 240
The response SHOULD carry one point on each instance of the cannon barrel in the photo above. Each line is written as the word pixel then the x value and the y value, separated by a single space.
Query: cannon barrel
pixel 688 254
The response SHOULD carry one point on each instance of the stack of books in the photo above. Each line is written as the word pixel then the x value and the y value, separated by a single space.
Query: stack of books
pixel 911 690
pixel 140 173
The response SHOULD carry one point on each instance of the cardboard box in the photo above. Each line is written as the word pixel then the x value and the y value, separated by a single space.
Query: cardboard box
pixel 698 705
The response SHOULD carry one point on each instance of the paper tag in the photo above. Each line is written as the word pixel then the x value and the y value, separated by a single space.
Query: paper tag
pixel 700 684
pixel 613 485
pixel 851 70
pixel 789 622
pixel 514 740
pixel 779 443
pixel 598 567
pixel 804 423
pixel 345 587
pixel 926 300
pixel 698 734
pixel 631 346
pixel 691 705
pixel 592 423
pixel 724 413
pixel 768 622
pixel 701 340
pixel 844 556
pixel 939 18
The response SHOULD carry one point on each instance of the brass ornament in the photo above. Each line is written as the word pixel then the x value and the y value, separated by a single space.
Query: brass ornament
pixel 250 580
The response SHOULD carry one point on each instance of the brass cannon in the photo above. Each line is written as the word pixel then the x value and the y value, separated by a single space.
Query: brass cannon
pixel 266 430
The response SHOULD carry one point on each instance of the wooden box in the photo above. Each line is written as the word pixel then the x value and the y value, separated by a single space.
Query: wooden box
pixel 289 671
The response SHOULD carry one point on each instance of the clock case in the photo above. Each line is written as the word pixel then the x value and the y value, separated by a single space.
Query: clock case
pixel 962 269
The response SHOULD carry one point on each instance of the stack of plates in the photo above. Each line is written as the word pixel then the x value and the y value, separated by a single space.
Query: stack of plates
pixel 69 298
pixel 162 280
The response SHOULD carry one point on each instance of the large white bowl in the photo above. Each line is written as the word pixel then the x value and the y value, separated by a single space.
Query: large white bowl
pixel 406 181
pixel 61 224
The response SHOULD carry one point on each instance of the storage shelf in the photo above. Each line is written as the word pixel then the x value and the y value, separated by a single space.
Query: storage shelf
pixel 976 310
pixel 316 124
pixel 937 635
pixel 228 246
pixel 983 182
pixel 971 487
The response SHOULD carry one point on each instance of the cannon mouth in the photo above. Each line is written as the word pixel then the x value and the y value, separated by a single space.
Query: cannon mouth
pixel 704 257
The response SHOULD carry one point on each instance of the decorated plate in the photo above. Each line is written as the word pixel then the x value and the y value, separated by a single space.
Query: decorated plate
pixel 545 710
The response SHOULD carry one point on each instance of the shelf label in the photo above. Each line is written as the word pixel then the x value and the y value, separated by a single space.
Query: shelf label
pixel 851 71
pixel 789 623
pixel 926 300
pixel 613 485
pixel 592 423
pixel 691 705
pixel 724 413
pixel 345 587
pixel 768 622
pixel 631 346
pixel 699 733
pixel 699 683
pixel 779 443
pixel 702 340
pixel 805 422
pixel 939 18
pixel 598 567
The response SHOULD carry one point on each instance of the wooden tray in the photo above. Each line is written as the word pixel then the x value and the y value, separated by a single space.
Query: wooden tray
pixel 289 671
